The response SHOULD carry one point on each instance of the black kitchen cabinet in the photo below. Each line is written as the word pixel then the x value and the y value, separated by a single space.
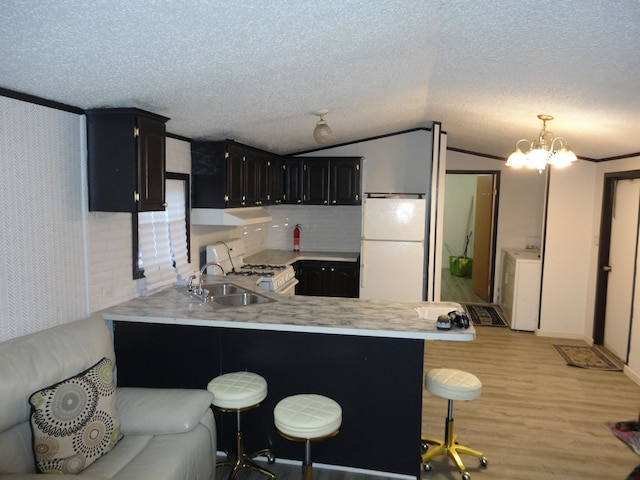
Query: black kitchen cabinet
pixel 344 181
pixel 323 181
pixel 316 181
pixel 275 184
pixel 327 279
pixel 227 174
pixel 126 160
pixel 293 181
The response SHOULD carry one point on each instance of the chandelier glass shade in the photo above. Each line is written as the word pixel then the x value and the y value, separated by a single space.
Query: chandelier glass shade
pixel 322 132
pixel 546 150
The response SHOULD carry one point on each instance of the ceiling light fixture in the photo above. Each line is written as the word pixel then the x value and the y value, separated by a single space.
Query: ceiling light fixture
pixel 543 151
pixel 322 132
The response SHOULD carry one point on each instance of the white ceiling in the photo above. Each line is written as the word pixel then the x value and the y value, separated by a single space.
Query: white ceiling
pixel 256 70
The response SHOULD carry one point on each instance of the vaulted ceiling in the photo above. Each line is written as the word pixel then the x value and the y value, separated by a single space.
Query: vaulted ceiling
pixel 256 71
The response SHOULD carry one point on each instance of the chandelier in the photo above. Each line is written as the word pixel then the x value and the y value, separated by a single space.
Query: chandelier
pixel 322 132
pixel 546 150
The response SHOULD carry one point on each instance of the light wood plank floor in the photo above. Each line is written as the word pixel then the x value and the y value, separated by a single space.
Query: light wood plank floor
pixel 457 289
pixel 536 419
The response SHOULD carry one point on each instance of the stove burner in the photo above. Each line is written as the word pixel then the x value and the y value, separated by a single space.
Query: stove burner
pixel 251 273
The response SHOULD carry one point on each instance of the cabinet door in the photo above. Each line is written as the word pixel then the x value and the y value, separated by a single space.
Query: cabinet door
pixel 276 180
pixel 293 180
pixel 235 176
pixel 126 160
pixel 343 280
pixel 344 181
pixel 251 180
pixel 151 164
pixel 263 192
pixel 316 181
pixel 312 278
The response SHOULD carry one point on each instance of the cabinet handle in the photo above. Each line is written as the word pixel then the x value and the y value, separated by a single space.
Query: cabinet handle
pixel 165 205
pixel 334 202
pixel 136 197
pixel 325 202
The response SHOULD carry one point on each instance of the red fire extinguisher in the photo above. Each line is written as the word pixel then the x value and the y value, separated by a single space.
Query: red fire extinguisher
pixel 296 238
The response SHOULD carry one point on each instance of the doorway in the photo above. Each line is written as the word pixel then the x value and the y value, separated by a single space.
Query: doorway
pixel 469 232
pixel 617 262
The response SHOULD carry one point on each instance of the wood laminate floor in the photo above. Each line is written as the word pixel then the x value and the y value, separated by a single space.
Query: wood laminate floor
pixel 457 289
pixel 536 419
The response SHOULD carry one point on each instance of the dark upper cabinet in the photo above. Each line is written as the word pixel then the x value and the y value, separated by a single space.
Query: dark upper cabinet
pixel 275 183
pixel 344 181
pixel 323 180
pixel 227 174
pixel 293 181
pixel 316 181
pixel 126 160
pixel 217 171
pixel 327 279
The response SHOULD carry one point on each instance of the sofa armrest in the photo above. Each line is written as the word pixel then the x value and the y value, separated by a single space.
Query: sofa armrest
pixel 154 411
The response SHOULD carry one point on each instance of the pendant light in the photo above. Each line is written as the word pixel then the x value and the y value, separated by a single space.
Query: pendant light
pixel 322 132
pixel 546 150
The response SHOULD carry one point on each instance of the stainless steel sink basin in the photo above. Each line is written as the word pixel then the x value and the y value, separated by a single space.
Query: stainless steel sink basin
pixel 222 289
pixel 239 300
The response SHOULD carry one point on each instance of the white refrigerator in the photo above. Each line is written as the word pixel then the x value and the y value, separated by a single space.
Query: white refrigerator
pixel 392 249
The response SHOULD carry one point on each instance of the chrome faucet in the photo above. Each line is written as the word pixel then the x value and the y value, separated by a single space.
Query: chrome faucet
pixel 200 291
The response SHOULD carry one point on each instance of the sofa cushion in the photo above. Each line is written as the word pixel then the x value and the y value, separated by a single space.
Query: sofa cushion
pixel 74 422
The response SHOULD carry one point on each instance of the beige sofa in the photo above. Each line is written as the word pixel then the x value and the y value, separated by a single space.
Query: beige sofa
pixel 167 434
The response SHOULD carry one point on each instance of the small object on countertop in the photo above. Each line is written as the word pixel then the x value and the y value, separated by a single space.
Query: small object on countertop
pixel 444 322
pixel 459 319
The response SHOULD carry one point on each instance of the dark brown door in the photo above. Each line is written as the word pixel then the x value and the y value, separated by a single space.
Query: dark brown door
pixel 483 228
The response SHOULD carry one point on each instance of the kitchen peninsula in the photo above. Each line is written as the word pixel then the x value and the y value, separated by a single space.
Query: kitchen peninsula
pixel 367 355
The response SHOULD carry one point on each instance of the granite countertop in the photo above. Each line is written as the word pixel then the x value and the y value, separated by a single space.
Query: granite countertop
pixel 328 315
pixel 288 257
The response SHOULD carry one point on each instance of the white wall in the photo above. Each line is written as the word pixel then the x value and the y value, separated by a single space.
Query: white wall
pixel 568 249
pixel 396 163
pixel 459 212
pixel 633 368
pixel 43 272
pixel 520 204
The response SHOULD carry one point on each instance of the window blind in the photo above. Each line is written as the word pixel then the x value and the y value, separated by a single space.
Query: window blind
pixel 162 238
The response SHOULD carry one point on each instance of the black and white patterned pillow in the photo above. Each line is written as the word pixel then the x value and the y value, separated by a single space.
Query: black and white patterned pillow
pixel 74 422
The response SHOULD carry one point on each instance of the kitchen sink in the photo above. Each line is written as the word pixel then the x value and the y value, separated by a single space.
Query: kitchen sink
pixel 240 300
pixel 221 295
pixel 222 289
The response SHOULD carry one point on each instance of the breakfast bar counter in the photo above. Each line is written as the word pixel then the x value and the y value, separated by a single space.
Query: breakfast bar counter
pixel 366 355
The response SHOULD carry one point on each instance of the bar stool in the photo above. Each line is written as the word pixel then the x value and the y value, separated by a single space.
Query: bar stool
pixel 306 418
pixel 452 385
pixel 238 392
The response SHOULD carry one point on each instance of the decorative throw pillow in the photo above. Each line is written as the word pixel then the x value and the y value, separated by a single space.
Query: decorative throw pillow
pixel 74 422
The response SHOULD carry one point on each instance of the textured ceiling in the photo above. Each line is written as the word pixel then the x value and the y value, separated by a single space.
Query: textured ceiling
pixel 256 70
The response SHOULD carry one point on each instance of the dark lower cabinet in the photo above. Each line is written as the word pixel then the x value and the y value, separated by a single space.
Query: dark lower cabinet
pixel 376 380
pixel 327 279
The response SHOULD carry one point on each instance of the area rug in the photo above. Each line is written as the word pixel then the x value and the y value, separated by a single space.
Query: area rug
pixel 485 315
pixel 628 432
pixel 588 357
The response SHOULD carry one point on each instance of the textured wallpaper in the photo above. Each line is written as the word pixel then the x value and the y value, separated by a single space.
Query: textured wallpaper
pixel 42 240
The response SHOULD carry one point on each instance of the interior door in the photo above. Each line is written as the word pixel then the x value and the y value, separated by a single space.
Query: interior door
pixel 621 267
pixel 482 235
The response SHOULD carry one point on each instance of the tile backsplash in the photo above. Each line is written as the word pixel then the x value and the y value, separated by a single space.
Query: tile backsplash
pixel 324 228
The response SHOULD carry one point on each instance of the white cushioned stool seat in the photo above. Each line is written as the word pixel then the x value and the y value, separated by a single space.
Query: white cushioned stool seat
pixel 307 416
pixel 237 390
pixel 453 384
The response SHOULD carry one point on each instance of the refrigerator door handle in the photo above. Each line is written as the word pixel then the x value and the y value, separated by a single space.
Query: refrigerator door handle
pixel 362 262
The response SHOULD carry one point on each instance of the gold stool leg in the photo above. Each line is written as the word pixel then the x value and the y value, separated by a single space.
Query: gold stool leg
pixel 449 447
pixel 245 461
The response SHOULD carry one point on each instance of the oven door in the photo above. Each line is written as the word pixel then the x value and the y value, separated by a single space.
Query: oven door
pixel 288 288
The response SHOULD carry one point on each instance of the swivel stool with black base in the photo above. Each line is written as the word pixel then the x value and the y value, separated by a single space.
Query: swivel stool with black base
pixel 306 418
pixel 452 385
pixel 238 392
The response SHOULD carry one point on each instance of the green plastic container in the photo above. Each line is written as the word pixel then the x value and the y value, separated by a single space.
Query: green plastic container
pixel 460 266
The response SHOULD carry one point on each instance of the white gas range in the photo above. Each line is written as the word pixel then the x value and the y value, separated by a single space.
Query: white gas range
pixel 274 278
